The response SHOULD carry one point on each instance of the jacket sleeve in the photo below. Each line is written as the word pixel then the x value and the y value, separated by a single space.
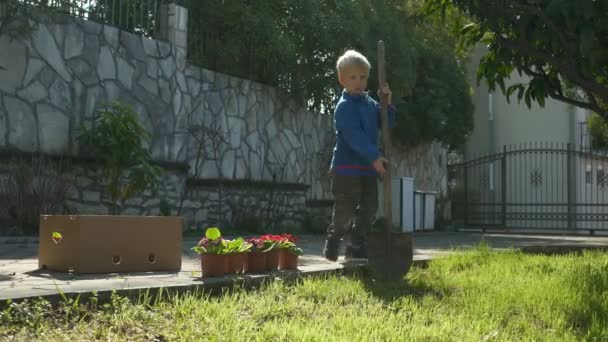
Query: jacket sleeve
pixel 391 110
pixel 347 123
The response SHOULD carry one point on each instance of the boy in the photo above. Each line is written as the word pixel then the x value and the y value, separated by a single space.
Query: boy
pixel 356 161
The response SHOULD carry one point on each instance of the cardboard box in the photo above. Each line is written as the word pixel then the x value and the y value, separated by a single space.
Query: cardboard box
pixel 108 244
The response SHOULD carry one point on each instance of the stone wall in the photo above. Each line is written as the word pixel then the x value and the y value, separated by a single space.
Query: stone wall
pixel 427 163
pixel 53 80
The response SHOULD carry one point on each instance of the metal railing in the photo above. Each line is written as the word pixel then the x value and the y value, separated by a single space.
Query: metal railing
pixel 137 16
pixel 208 42
pixel 535 185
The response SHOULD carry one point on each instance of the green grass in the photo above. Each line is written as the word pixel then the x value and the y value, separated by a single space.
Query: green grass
pixel 473 296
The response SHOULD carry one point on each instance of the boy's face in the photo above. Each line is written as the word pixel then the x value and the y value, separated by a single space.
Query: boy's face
pixel 354 79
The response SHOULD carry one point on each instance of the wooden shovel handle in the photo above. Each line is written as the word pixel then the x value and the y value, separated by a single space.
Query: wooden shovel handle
pixel 386 143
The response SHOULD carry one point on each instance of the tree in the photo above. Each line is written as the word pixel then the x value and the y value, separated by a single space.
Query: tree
pixel 294 45
pixel 438 106
pixel 598 130
pixel 561 45
pixel 13 23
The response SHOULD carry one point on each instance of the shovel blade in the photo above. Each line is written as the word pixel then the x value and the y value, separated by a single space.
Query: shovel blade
pixel 390 259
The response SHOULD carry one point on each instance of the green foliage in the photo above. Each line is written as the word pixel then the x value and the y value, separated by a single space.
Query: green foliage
pixel 291 248
pixel 439 106
pixel 165 208
pixel 238 245
pixel 213 233
pixel 118 139
pixel 294 45
pixel 598 129
pixel 13 23
pixel 560 45
pixel 212 243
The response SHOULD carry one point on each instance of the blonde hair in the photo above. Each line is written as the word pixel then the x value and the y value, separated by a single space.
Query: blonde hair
pixel 352 57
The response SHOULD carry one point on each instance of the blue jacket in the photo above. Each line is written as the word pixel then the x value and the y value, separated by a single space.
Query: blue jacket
pixel 357 122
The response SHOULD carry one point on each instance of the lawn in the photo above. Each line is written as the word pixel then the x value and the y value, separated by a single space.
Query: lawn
pixel 473 296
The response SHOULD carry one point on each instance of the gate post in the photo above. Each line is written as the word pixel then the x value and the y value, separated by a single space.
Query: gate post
pixel 503 185
pixel 466 194
pixel 571 193
pixel 174 24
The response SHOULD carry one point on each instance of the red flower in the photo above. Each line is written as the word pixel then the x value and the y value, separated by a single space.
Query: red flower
pixel 290 238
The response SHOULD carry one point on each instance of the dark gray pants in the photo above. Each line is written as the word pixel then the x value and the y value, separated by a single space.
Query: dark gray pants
pixel 355 206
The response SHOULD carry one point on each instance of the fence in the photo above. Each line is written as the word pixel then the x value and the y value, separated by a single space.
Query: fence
pixel 537 185
pixel 229 46
pixel 137 16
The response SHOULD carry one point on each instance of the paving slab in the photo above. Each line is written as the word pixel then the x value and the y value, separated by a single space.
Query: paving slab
pixel 20 277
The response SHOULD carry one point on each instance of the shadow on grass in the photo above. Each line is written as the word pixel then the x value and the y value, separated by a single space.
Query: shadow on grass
pixel 389 290
pixel 589 286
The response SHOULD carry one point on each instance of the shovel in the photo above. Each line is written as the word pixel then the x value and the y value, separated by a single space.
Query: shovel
pixel 389 253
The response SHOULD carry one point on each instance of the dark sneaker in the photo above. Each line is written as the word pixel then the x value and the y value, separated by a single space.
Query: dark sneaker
pixel 330 252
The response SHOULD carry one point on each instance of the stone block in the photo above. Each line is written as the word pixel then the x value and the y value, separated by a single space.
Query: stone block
pixel 111 35
pixel 107 67
pixel 133 45
pixel 53 130
pixel 60 95
pixel 13 61
pixel 168 67
pixel 22 124
pixel 91 196
pixel 125 72
pixel 74 42
pixel 150 47
pixel 49 51
pixel 34 92
pixel 33 68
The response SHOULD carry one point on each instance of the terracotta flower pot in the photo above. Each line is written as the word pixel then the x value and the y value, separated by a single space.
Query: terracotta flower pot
pixel 272 260
pixel 214 264
pixel 288 260
pixel 237 263
pixel 256 262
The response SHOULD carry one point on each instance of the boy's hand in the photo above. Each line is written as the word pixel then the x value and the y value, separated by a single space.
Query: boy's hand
pixel 379 165
pixel 385 91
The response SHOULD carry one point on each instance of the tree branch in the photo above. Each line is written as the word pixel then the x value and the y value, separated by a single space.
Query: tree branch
pixel 568 70
pixel 586 105
pixel 525 9
pixel 558 94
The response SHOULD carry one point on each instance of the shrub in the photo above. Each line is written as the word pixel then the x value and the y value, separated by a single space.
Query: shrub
pixel 38 185
pixel 118 139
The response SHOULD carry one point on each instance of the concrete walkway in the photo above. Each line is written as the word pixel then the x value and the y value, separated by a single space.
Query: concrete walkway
pixel 20 277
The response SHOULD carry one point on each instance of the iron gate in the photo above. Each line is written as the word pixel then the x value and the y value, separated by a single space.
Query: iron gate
pixel 538 185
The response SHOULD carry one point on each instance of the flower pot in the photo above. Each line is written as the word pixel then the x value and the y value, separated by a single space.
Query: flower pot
pixel 256 262
pixel 272 260
pixel 237 263
pixel 213 265
pixel 288 260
